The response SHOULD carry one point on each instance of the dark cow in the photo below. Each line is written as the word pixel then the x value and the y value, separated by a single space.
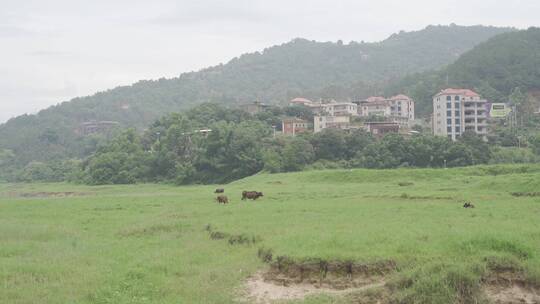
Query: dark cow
pixel 222 199
pixel 219 190
pixel 251 195
pixel 468 205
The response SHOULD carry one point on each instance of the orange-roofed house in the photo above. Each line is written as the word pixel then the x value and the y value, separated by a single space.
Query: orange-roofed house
pixel 456 111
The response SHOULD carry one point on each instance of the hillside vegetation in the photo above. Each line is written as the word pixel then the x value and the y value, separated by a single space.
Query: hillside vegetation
pixel 494 68
pixel 300 67
pixel 164 244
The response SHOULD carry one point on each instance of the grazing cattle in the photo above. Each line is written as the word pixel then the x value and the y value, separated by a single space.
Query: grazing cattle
pixel 219 190
pixel 222 199
pixel 468 205
pixel 251 195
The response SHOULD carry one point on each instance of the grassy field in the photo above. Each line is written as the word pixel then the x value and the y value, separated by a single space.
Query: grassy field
pixel 148 243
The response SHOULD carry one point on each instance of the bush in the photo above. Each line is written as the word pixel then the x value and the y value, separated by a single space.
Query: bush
pixel 513 156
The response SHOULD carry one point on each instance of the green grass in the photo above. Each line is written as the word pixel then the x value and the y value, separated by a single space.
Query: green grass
pixel 148 243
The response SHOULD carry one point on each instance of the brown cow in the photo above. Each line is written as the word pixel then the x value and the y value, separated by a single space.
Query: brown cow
pixel 251 195
pixel 219 190
pixel 222 199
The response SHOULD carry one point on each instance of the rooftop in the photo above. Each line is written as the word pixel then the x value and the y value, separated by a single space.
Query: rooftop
pixel 375 98
pixel 301 100
pixel 400 97
pixel 294 119
pixel 463 92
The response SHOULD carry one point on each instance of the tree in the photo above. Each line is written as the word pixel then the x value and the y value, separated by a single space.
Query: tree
pixel 329 144
pixel 297 153
pixel 534 141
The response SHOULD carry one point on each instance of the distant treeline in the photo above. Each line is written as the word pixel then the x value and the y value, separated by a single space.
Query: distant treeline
pixel 239 145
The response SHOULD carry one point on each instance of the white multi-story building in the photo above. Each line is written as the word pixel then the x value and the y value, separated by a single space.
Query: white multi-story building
pixel 374 106
pixel 340 108
pixel 456 111
pixel 400 108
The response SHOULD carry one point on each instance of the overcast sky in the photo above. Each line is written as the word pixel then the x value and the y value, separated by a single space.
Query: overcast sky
pixel 54 50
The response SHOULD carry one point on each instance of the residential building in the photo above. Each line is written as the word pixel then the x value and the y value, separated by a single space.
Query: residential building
pixel 329 107
pixel 456 111
pixel 293 126
pixel 379 129
pixel 93 127
pixel 315 107
pixel 321 122
pixel 402 106
pixel 301 101
pixel 254 107
pixel 375 107
pixel 340 108
pixel 399 108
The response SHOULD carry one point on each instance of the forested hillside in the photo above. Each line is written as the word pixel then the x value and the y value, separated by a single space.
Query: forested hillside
pixel 504 64
pixel 300 67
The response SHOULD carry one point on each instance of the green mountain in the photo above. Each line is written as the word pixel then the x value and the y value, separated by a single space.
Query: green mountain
pixel 494 68
pixel 275 75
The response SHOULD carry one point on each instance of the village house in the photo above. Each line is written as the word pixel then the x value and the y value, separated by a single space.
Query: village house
pixel 379 129
pixel 293 126
pixel 340 108
pixel 456 111
pixel 400 108
pixel 321 122
pixel 94 126
pixel 254 107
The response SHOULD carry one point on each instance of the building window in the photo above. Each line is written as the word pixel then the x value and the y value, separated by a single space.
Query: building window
pixel 448 97
pixel 448 105
pixel 457 121
pixel 457 113
pixel 449 129
pixel 448 113
pixel 456 98
pixel 457 105
pixel 449 121
pixel 457 129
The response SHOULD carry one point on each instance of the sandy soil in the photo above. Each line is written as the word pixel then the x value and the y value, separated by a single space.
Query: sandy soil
pixel 262 292
pixel 512 295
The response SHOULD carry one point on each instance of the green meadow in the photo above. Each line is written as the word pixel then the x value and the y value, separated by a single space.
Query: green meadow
pixel 64 243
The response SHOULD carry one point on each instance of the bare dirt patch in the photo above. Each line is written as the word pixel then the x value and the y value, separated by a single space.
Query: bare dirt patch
pixel 262 291
pixel 507 286
pixel 513 294
pixel 289 279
